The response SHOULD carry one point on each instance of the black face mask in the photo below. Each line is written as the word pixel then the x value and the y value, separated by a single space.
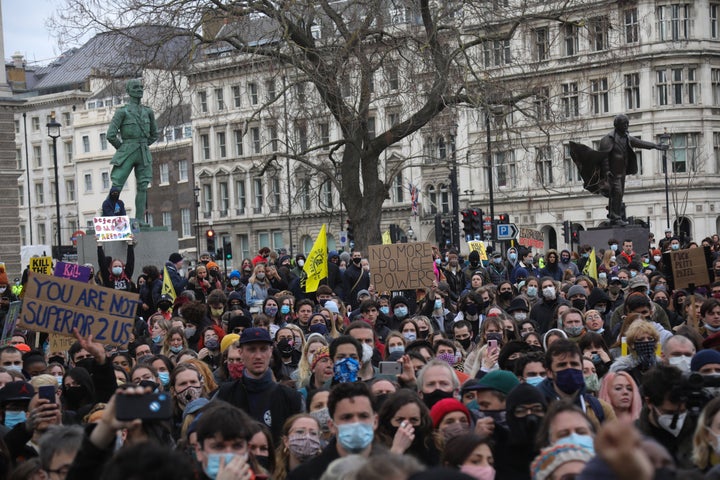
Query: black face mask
pixel 465 343
pixel 506 296
pixel 86 363
pixel 149 383
pixel 471 309
pixel 74 396
pixel 579 303
pixel 435 396
pixel 57 359
pixel 379 400
pixel 565 259
pixel 263 461
pixel 285 348
pixel 356 261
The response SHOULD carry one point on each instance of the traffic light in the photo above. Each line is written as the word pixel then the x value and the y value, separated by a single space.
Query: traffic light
pixel 503 219
pixel 575 233
pixel 467 223
pixel 446 233
pixel 477 223
pixel 227 248
pixel 210 236
pixel 566 231
pixel 349 230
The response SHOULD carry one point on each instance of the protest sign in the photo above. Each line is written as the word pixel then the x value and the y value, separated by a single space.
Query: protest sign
pixel 41 265
pixel 689 267
pixel 59 343
pixel 401 266
pixel 57 305
pixel 531 238
pixel 110 229
pixel 10 321
pixel 73 271
pixel 478 246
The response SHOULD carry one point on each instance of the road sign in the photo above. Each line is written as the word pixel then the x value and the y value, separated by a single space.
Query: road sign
pixel 507 231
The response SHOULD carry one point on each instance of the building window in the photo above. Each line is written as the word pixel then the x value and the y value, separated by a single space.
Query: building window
pixel 393 119
pixel 167 219
pixel 444 199
pixel 257 145
pixel 39 194
pixel 570 100
pixel 392 77
pixel 185 223
pixel 182 170
pixel 221 145
pixel 220 99
pixel 21 195
pixel 23 235
pixel 316 31
pixel 571 39
pixel 496 53
pixel 572 174
pixel 37 156
pixel 68 149
pixel 398 188
pixel 599 94
pixel 543 164
pixel 542 103
pixel 431 195
pixel 70 190
pixel 202 101
pixel 599 27
pixel 270 89
pixel 258 192
pixel 326 195
pixel 207 200
pixel 103 141
pixel 716 149
pixel 244 242
pixel 17 126
pixel 632 26
pixel 238 135
pixel 240 195
pixel 224 198
pixel 205 146
pixel 88 182
pixel 371 127
pixel 300 92
pixel 105 177
pixel 42 233
pixel 324 128
pixel 86 144
pixel 305 194
pixel 164 173
pixel 674 21
pixel 36 124
pixel 683 151
pixel 505 168
pixel 632 91
pixel 273 133
pixel 237 97
pixel 67 119
pixel 253 93
pixel 541 44
pixel 301 135
pixel 18 159
pixel 714 8
pixel 677 86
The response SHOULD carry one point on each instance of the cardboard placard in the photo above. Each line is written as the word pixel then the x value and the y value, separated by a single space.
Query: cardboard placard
pixel 10 321
pixel 58 305
pixel 41 265
pixel 689 266
pixel 112 229
pixel 531 238
pixel 59 343
pixel 478 246
pixel 401 266
pixel 73 271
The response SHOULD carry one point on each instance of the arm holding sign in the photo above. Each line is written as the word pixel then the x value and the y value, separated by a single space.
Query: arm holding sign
pixel 103 266
pixel 130 262
pixel 102 373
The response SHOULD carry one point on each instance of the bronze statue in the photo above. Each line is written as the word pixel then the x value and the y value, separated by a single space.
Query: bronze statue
pixel 136 125
pixel 604 171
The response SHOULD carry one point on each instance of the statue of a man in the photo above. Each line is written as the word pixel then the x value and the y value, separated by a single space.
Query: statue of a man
pixel 135 124
pixel 604 171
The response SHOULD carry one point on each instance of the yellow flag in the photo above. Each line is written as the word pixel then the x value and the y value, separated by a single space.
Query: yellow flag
pixel 386 240
pixel 167 286
pixel 591 266
pixel 316 267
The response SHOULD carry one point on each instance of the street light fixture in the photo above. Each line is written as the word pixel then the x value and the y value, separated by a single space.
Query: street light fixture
pixel 665 140
pixel 196 191
pixel 411 234
pixel 53 129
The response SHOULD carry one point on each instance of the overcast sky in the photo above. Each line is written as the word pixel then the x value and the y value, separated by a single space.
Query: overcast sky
pixel 24 30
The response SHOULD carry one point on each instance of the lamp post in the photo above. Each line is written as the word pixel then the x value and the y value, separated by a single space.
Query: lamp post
pixel 488 140
pixel 454 191
pixel 665 140
pixel 53 129
pixel 196 191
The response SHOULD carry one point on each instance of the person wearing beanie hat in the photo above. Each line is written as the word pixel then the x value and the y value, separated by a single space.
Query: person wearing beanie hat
pixel 559 460
pixel 475 265
pixel 6 293
pixel 173 266
pixel 450 418
pixel 399 311
pixel 228 340
pixel 706 362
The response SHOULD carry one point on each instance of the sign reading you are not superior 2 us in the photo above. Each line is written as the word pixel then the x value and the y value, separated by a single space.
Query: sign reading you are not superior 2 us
pixel 57 305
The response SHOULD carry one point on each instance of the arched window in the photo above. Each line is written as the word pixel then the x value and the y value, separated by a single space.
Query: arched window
pixel 432 199
pixel 444 198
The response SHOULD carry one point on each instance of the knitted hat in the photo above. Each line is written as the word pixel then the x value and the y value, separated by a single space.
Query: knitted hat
pixel 212 265
pixel 3 276
pixel 228 340
pixel 175 258
pixel 702 358
pixel 576 290
pixel 551 458
pixel 395 301
pixel 332 306
pixel 445 406
pixel 499 380
pixel 518 303
pixel 234 274
pixel 322 352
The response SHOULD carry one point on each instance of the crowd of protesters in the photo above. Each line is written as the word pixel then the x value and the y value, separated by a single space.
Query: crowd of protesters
pixel 524 365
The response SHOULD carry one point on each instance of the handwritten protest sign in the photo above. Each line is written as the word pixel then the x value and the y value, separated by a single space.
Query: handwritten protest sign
pixel 688 266
pixel 10 321
pixel 72 271
pixel 531 238
pixel 59 343
pixel 110 229
pixel 401 266
pixel 58 305
pixel 478 246
pixel 41 265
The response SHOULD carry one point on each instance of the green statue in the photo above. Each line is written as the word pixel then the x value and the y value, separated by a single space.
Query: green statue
pixel 137 128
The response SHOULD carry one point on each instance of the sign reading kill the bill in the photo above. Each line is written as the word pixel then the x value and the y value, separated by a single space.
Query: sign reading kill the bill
pixel 401 266
pixel 57 305
pixel 689 267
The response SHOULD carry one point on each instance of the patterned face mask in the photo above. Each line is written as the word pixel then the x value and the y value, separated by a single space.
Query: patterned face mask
pixel 346 370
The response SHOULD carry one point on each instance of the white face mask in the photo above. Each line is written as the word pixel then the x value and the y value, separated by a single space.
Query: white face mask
pixel 682 363
pixel 657 258
pixel 367 353
pixel 666 420
pixel 549 293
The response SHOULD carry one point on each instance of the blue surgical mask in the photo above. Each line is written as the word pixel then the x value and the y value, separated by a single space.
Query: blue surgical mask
pixel 438 261
pixel 385 310
pixel 633 273
pixel 13 418
pixel 285 309
pixel 59 379
pixel 355 437
pixel 512 256
pixel 583 441
pixel 401 312
pixel 117 271
pixel 396 349
pixel 157 339
pixel 534 381
pixel 410 336
pixel 164 378
pixel 213 463
pixel 177 349
pixel 614 247
pixel 531 291
pixel 438 304
pixel 675 246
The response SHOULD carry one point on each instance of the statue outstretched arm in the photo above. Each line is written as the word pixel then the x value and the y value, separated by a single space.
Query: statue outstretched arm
pixel 637 143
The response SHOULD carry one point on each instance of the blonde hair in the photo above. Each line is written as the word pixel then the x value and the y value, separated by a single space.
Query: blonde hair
pixel 44 380
pixel 701 447
pixel 304 372
pixel 639 329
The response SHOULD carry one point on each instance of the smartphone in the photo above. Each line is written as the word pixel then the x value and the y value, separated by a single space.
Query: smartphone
pixel 492 345
pixel 390 368
pixel 47 392
pixel 152 406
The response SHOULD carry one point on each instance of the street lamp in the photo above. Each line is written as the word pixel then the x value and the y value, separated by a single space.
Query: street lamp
pixel 196 191
pixel 53 129
pixel 454 189
pixel 488 141
pixel 411 234
pixel 665 140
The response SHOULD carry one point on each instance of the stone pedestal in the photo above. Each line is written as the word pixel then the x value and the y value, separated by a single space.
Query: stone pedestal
pixel 598 237
pixel 153 248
